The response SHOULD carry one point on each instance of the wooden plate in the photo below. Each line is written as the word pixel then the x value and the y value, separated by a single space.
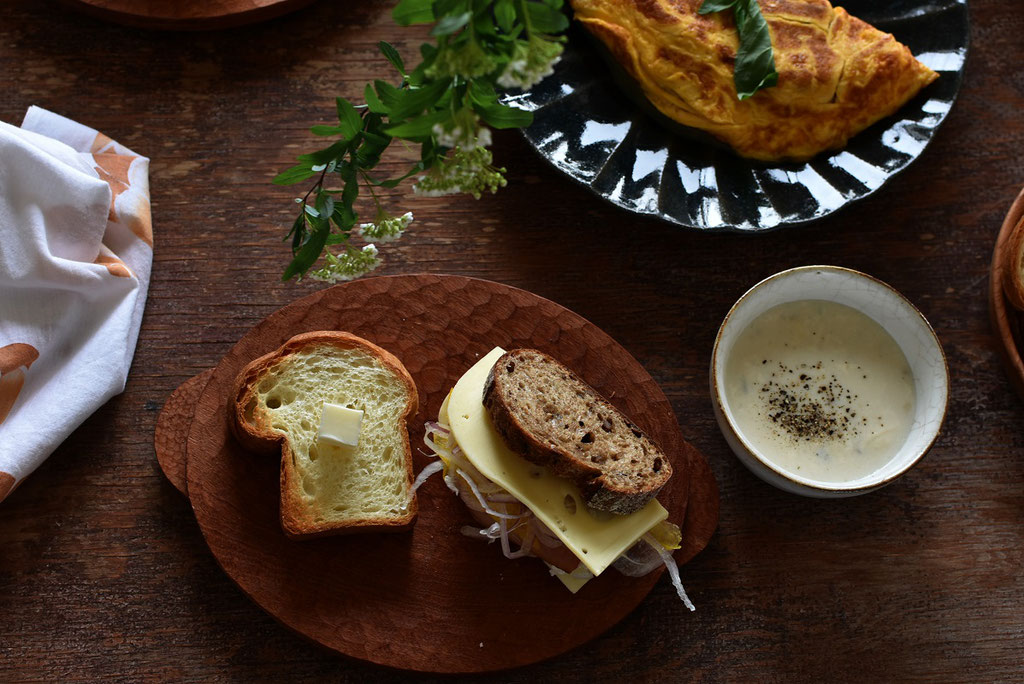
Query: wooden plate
pixel 170 439
pixel 430 600
pixel 186 15
pixel 1006 320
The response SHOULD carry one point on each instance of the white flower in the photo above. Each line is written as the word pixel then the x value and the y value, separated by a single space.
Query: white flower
pixel 468 171
pixel 446 138
pixel 386 229
pixel 483 138
pixel 350 265
pixel 531 61
pixel 468 60
pixel 479 136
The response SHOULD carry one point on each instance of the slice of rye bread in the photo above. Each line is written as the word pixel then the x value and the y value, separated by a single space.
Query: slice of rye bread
pixel 551 417
pixel 328 489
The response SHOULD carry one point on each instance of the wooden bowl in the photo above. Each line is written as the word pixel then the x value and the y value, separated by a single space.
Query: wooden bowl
pixel 431 600
pixel 185 15
pixel 1006 319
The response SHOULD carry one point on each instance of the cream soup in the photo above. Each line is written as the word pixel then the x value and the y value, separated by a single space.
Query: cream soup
pixel 821 390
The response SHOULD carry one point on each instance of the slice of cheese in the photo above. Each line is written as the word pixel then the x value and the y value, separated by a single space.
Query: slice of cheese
pixel 339 425
pixel 596 538
pixel 571 583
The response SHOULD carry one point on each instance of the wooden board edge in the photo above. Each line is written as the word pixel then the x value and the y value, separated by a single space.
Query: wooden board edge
pixel 170 439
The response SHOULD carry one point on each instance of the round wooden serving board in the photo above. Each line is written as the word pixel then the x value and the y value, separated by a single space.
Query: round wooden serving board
pixel 1006 320
pixel 432 599
pixel 186 15
pixel 172 425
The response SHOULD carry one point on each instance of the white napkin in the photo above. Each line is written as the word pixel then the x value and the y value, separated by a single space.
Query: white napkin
pixel 76 249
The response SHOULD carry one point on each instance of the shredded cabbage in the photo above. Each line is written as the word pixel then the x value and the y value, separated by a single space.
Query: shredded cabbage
pixel 490 532
pixel 638 561
pixel 673 569
pixel 483 502
pixel 641 558
pixel 481 494
pixel 425 474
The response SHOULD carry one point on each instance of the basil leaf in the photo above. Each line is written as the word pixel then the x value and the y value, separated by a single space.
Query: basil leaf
pixel 348 117
pixel 374 144
pixel 392 56
pixel 326 130
pixel 325 204
pixel 485 103
pixel 295 174
pixel 712 6
pixel 485 26
pixel 344 218
pixel 503 116
pixel 389 95
pixel 325 155
pixel 418 167
pixel 413 12
pixel 755 63
pixel 298 232
pixel 482 93
pixel 544 19
pixel 372 101
pixel 449 24
pixel 310 251
pixel 351 191
pixel 505 15
pixel 415 101
pixel 418 127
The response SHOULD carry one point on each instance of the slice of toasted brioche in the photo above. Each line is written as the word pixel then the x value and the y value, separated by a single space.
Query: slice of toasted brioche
pixel 551 417
pixel 327 489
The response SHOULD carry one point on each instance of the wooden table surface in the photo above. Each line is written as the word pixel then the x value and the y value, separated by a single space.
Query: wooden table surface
pixel 104 572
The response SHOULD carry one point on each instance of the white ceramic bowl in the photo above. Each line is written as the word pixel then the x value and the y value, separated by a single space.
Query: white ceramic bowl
pixel 885 306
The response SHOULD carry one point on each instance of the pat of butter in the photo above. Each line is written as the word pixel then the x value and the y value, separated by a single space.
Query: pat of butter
pixel 339 425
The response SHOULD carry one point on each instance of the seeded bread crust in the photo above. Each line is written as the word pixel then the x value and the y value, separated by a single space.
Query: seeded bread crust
pixel 551 417
pixel 251 425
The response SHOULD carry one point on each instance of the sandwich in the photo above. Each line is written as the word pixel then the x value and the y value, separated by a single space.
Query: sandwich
pixel 549 468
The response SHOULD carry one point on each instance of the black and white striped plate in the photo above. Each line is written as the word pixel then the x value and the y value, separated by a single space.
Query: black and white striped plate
pixel 587 127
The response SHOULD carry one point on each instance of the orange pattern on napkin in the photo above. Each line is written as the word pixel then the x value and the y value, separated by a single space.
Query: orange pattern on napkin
pixel 114 265
pixel 114 166
pixel 14 360
pixel 77 236
pixel 7 485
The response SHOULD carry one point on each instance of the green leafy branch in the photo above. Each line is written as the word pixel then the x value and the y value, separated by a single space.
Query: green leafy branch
pixel 755 63
pixel 444 105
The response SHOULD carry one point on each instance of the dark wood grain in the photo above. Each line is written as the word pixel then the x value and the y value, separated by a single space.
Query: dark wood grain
pixel 104 572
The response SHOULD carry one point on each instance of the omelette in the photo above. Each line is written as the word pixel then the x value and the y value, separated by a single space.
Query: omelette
pixel 837 74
